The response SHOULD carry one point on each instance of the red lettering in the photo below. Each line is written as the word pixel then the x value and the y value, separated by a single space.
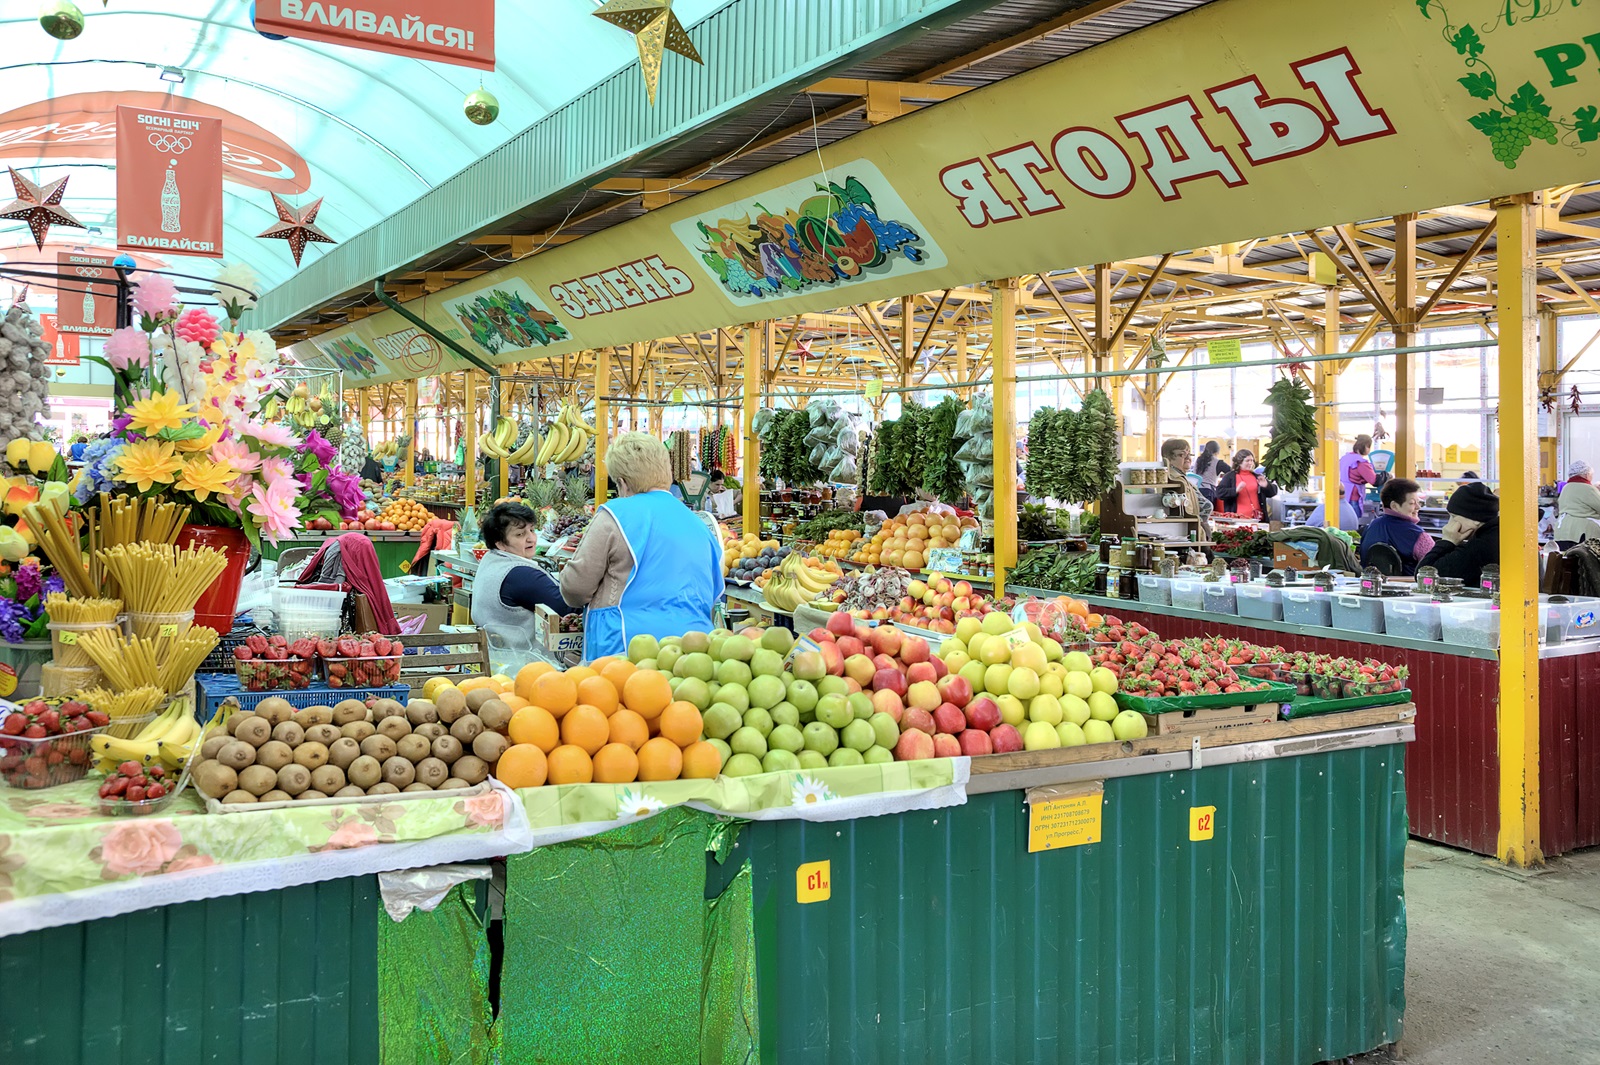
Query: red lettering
pixel 1023 165
pixel 1272 129
pixel 1332 76
pixel 1093 162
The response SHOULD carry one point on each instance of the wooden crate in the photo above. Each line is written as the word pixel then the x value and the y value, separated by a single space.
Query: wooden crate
pixel 470 657
pixel 1187 722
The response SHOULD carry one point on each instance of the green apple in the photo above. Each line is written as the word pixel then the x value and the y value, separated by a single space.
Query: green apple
pixel 1076 662
pixel 1097 731
pixel 1129 725
pixel 785 714
pixel 975 646
pixel 694 691
pixel 1103 679
pixel 714 646
pixel 820 738
pixel 1040 736
pixel 733 671
pixel 834 711
pixel 998 622
pixel 779 761
pixel 878 755
pixel 787 738
pixel 696 642
pixel 1052 650
pixel 738 648
pixel 810 759
pixel 758 719
pixel 974 671
pixel 1012 712
pixel 742 765
pixel 674 683
pixel 697 665
pixel 668 657
pixel 966 628
pixel 1071 735
pixel 803 694
pixel 1046 708
pixel 641 648
pixel 766 663
pixel 648 663
pixel 1102 707
pixel 858 735
pixel 1050 684
pixel 672 641
pixel 777 639
pixel 955 660
pixel 734 695
pixel 747 740
pixel 950 646
pixel 845 756
pixel 1074 710
pixel 723 749
pixel 721 721
pixel 885 730
pixel 1023 683
pixel 997 679
pixel 765 692
pixel 833 686
pixel 860 705
pixel 1078 685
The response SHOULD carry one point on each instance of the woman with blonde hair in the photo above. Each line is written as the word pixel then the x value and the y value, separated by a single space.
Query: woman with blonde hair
pixel 647 565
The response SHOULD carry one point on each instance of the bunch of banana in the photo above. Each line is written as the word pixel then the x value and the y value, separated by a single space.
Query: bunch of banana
pixel 567 439
pixel 784 594
pixel 497 444
pixel 174 726
pixel 812 580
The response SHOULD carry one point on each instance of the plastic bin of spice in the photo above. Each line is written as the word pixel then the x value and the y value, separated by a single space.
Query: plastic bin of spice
pixel 1154 588
pixel 1307 606
pixel 1356 612
pixel 1260 601
pixel 1221 599
pixel 1470 623
pixel 1577 617
pixel 1189 593
pixel 1414 617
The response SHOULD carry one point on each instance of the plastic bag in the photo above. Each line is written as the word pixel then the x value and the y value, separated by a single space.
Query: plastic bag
pixel 762 422
pixel 822 434
pixel 977 473
pixel 849 441
pixel 817 454
pixel 978 449
pixel 846 470
pixel 821 412
pixel 965 421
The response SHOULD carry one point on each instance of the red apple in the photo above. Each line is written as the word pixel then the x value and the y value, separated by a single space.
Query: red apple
pixel 956 689
pixel 890 680
pixel 949 719
pixel 983 712
pixel 752 632
pixel 975 742
pixel 885 662
pixel 963 589
pixel 859 668
pixel 840 623
pixel 863 633
pixel 907 603
pixel 833 659
pixel 821 635
pixel 888 702
pixel 946 746
pixel 913 746
pixel 887 639
pixel 923 696
pixel 880 614
pixel 849 645
pixel 914 649
pixel 921 671
pixel 938 663
pixel 1005 739
pixel 918 720
pixel 851 685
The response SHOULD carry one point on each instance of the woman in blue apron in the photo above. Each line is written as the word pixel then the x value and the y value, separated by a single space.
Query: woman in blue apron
pixel 647 564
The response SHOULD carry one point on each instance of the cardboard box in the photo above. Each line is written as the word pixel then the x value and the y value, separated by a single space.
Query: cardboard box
pixel 547 630
pixel 438 614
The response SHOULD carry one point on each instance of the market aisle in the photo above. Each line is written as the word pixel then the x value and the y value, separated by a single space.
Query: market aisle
pixel 1501 968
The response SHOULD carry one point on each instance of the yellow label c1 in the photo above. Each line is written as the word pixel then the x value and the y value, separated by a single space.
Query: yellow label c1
pixel 813 882
pixel 1202 823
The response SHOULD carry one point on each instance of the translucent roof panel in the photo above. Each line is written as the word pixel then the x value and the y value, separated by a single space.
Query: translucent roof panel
pixel 367 131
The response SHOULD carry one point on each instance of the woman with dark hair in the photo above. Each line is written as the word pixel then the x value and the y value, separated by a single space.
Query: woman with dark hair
pixel 1242 492
pixel 509 584
pixel 1209 468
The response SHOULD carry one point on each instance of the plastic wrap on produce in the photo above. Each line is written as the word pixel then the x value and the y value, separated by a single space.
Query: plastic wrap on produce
pixel 423 889
pixel 978 474
pixel 978 449
pixel 849 440
pixel 762 422
pixel 844 470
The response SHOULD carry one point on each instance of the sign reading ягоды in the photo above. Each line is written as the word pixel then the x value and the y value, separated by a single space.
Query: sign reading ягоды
pixel 448 31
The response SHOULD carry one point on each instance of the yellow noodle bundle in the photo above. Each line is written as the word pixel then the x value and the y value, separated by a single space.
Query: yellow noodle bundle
pixel 68 611
pixel 160 578
pixel 167 663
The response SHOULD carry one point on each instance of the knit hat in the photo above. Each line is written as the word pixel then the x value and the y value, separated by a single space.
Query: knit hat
pixel 1474 502
pixel 1579 468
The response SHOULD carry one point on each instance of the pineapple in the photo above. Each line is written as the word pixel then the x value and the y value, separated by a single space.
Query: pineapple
pixel 575 493
pixel 541 496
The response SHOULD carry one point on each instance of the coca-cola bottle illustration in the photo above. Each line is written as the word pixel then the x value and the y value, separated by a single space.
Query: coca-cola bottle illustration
pixel 171 203
pixel 88 305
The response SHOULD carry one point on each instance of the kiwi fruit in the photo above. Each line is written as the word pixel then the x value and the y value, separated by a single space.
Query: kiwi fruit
pixel 447 749
pixel 214 779
pixel 237 754
pixel 413 748
pixel 288 732
pixel 378 746
pixel 235 721
pixel 275 795
pixel 364 771
pixel 349 711
pixel 417 785
pixel 323 734
pixel 274 754
pixel 255 731
pixel 495 715
pixel 384 788
pixel 214 744
pixel 237 798
pixel 399 772
pixel 311 755
pixel 275 709
pixel 451 704
pixel 349 791
pixel 421 711
pixel 294 778
pixel 394 728
pixel 466 728
pixel 385 708
pixel 471 768
pixel 343 751
pixel 327 779
pixel 453 784
pixel 489 746
pixel 358 730
pixel 478 696
pixel 431 731
pixel 314 715
pixel 432 772
pixel 309 794
pixel 258 779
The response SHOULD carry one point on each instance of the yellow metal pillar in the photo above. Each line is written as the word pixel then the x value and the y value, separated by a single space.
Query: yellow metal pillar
pixel 1004 353
pixel 755 365
pixel 409 459
pixel 1518 718
pixel 1405 336
pixel 602 420
pixel 364 412
pixel 653 394
pixel 1152 425
pixel 469 450
pixel 506 388
pixel 1550 377
pixel 1326 391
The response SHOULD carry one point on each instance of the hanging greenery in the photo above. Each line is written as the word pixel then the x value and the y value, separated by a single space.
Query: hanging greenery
pixel 941 475
pixel 1287 457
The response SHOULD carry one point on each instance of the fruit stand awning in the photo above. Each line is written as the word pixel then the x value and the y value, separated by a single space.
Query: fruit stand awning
pixel 367 131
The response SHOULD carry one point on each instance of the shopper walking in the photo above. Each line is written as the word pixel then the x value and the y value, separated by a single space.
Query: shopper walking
pixel 647 564
pixel 1356 473
pixel 1209 468
pixel 1242 492
pixel 1471 538
pixel 1578 507
pixel 1398 525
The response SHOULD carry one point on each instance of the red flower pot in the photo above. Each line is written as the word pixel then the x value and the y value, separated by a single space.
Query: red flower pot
pixel 216 607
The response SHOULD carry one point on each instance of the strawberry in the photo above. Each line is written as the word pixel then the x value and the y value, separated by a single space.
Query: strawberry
pixel 14 724
pixel 34 732
pixel 135 793
pixel 155 791
pixel 243 653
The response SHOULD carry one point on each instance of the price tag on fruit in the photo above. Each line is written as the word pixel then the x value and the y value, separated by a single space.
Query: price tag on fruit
pixel 1016 639
pixel 1202 823
pixel 1064 816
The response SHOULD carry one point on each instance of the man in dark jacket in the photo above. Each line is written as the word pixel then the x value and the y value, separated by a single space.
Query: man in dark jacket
pixel 1471 538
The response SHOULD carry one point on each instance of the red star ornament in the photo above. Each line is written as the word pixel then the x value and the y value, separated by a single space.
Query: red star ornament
pixel 38 206
pixel 297 226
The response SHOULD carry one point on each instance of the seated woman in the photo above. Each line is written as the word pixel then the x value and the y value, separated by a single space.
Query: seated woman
pixel 1397 525
pixel 509 584
pixel 647 565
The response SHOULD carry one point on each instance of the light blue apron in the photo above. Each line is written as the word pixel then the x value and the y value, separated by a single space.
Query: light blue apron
pixel 676 578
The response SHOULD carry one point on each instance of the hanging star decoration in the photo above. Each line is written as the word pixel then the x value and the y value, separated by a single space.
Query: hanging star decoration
pixel 38 205
pixel 655 29
pixel 297 225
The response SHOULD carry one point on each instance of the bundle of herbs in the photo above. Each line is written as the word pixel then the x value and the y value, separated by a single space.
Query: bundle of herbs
pixel 1287 457
pixel 941 475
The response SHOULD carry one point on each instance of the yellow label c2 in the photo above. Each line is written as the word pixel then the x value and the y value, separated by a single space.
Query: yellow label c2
pixel 1202 823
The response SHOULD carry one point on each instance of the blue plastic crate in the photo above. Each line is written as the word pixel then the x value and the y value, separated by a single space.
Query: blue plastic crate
pixel 212 688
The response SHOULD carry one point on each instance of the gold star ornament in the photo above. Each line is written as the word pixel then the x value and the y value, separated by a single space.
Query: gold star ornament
pixel 655 29
pixel 297 225
pixel 39 206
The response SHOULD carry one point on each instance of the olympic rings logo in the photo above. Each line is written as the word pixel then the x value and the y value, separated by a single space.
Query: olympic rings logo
pixel 90 271
pixel 169 144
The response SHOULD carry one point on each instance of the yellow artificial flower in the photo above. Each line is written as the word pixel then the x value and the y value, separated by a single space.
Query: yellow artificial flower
pixel 203 477
pixel 148 462
pixel 203 444
pixel 160 411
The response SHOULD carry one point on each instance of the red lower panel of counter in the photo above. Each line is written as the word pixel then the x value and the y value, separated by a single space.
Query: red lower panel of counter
pixel 1452 774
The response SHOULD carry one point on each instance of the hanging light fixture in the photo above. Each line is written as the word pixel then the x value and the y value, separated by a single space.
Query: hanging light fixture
pixel 481 107
pixel 61 19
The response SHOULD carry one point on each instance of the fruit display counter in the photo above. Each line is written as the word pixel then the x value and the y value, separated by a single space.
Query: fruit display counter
pixel 1452 780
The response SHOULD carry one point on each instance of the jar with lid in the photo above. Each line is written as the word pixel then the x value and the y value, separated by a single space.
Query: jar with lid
pixel 1128 585
pixel 1113 583
pixel 1106 544
pixel 1101 579
pixel 1143 557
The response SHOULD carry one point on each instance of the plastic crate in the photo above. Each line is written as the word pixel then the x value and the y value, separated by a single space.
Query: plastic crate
pixel 1470 623
pixel 1189 593
pixel 1221 598
pixel 1356 612
pixel 213 688
pixel 221 659
pixel 17 754
pixel 1575 617
pixel 301 612
pixel 1260 601
pixel 343 673
pixel 1413 617
pixel 266 675
pixel 1307 606
pixel 1154 588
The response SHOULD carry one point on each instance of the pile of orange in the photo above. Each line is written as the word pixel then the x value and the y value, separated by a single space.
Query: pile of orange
pixel 406 515
pixel 906 541
pixel 841 543
pixel 607 723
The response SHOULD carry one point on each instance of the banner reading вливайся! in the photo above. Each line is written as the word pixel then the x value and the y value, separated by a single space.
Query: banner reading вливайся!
pixel 169 182
pixel 447 31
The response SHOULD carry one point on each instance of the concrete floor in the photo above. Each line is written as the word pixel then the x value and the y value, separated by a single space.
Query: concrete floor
pixel 1501 967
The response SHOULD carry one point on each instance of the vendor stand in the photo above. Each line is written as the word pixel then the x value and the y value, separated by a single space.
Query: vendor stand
pixel 394 548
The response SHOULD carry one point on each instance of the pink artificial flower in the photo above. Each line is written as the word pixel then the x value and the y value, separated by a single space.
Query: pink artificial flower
pixel 196 324
pixel 487 809
pixel 271 434
pixel 274 507
pixel 127 347
pixel 236 454
pixel 275 470
pixel 156 296
pixel 352 833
